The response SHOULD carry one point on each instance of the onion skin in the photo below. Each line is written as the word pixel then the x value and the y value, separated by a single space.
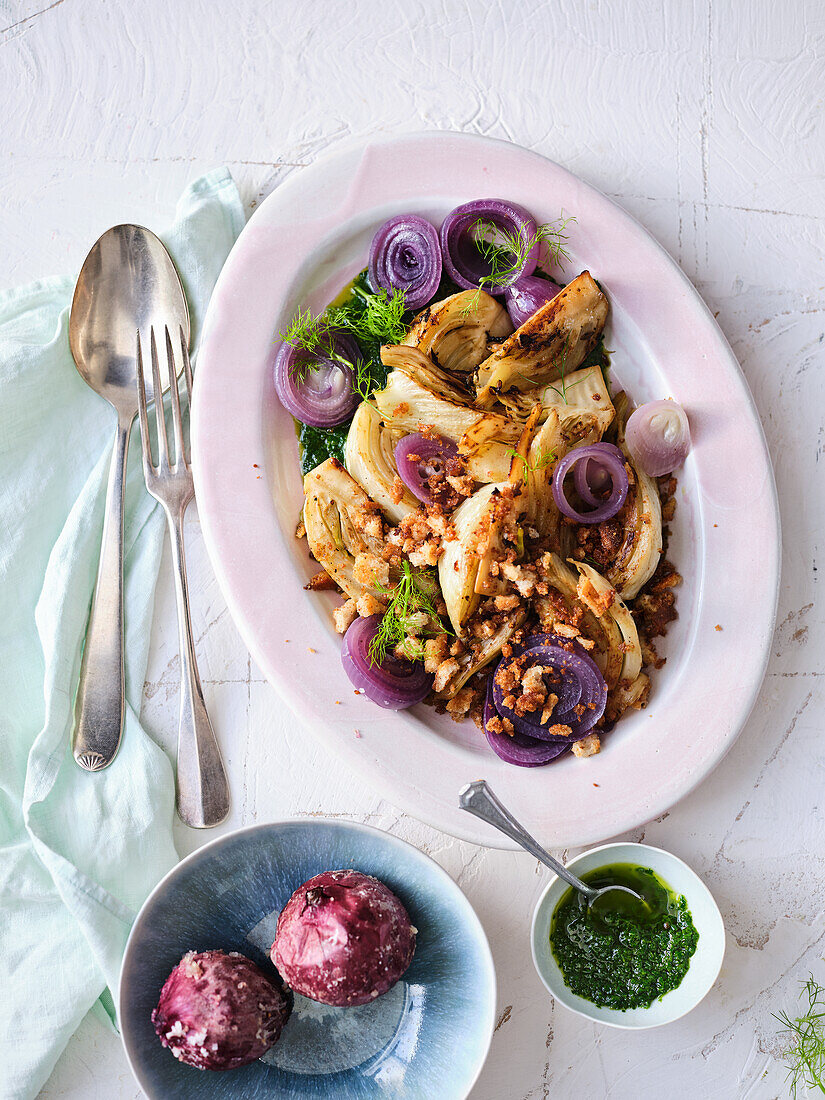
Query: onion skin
pixel 394 684
pixel 219 1011
pixel 343 938
pixel 658 437
pixel 302 399
pixel 428 451
pixel 405 254
pixel 527 294
pixel 462 259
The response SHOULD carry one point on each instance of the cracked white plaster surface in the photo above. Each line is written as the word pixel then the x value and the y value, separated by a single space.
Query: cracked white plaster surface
pixel 704 120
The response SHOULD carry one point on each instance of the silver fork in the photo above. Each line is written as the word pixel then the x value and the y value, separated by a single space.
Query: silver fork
pixel 203 790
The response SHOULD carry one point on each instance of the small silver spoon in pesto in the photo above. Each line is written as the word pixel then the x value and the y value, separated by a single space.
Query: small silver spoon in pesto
pixel 477 798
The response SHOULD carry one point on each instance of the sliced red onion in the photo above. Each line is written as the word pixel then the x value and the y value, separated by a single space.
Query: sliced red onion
pixel 581 684
pixel 610 459
pixel 527 294
pixel 393 684
pixel 658 437
pixel 419 458
pixel 317 387
pixel 591 477
pixel 518 749
pixel 405 254
pixel 464 262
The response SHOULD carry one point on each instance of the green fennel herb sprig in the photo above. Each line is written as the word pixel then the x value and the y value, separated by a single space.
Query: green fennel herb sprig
pixel 542 461
pixel 406 601
pixel 312 335
pixel 805 1052
pixel 380 316
pixel 506 251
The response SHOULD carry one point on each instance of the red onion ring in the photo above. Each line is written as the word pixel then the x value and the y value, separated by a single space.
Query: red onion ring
pixel 658 437
pixel 405 254
pixel 591 476
pixel 582 684
pixel 517 749
pixel 464 262
pixel 431 458
pixel 611 459
pixel 325 395
pixel 393 684
pixel 527 294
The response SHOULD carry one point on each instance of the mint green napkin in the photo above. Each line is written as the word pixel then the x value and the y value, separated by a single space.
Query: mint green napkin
pixel 79 852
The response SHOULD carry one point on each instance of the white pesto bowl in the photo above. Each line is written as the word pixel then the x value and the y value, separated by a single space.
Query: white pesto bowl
pixel 704 965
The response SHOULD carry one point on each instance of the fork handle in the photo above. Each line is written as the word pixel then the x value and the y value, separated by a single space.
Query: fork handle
pixel 99 706
pixel 203 789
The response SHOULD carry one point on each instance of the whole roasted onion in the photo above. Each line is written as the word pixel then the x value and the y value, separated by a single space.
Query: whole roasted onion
pixel 405 254
pixel 219 1011
pixel 343 938
pixel 317 387
pixel 465 262
pixel 392 683
pixel 527 294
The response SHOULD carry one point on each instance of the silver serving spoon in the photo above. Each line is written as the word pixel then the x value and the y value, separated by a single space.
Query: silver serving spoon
pixel 127 283
pixel 477 798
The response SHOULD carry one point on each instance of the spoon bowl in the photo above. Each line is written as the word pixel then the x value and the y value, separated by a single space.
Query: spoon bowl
pixel 127 283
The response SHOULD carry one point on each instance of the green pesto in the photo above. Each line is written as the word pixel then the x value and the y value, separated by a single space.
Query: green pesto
pixel 319 444
pixel 617 953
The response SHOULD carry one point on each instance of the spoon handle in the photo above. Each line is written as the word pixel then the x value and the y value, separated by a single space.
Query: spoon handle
pixel 98 708
pixel 477 798
pixel 203 789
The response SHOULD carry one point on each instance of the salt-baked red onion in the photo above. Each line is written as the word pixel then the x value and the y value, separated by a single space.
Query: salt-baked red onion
pixel 394 684
pixel 658 437
pixel 525 752
pixel 575 679
pixel 317 387
pixel 343 938
pixel 464 261
pixel 405 254
pixel 612 460
pixel 527 294
pixel 419 458
pixel 219 1011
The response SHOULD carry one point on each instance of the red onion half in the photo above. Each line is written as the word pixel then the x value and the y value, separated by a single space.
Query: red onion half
pixel 405 254
pixel 419 458
pixel 658 437
pixel 463 260
pixel 394 684
pixel 608 458
pixel 317 387
pixel 527 294
pixel 578 683
pixel 525 752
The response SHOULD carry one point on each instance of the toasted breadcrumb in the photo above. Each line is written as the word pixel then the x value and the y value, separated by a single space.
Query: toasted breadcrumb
pixel 588 746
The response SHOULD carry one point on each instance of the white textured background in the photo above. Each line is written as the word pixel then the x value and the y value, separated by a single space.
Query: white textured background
pixel 707 121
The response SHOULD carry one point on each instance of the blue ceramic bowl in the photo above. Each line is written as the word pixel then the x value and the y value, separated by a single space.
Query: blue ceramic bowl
pixel 427 1037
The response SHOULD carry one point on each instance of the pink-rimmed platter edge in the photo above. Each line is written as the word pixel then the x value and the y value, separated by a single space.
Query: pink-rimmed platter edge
pixel 305 241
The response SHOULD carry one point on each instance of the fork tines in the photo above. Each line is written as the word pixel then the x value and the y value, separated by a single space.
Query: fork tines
pixel 180 460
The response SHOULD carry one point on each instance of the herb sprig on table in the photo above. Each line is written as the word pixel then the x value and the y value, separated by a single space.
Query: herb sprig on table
pixel 805 1051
